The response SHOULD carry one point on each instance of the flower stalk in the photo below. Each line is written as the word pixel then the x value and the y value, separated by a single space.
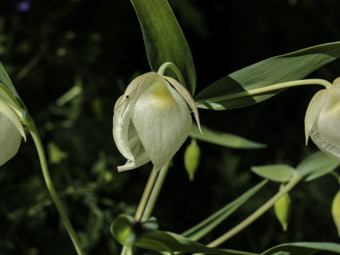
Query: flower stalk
pixel 259 212
pixel 49 184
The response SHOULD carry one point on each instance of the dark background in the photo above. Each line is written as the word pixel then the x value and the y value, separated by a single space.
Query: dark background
pixel 98 46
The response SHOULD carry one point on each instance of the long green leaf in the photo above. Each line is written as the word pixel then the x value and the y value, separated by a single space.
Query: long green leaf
pixel 317 165
pixel 277 173
pixel 162 241
pixel 232 91
pixel 302 248
pixel 224 139
pixel 198 231
pixel 164 39
pixel 6 80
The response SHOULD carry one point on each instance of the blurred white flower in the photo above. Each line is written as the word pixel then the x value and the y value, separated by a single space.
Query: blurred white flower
pixel 152 120
pixel 322 120
pixel 11 132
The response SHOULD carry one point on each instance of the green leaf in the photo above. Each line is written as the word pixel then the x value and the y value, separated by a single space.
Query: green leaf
pixel 170 242
pixel 317 165
pixel 232 91
pixel 204 227
pixel 224 139
pixel 164 39
pixel 4 78
pixel 302 248
pixel 277 173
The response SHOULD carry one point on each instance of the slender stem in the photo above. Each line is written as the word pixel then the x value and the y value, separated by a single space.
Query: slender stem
pixel 146 194
pixel 255 215
pixel 51 189
pixel 174 68
pixel 266 89
pixel 155 192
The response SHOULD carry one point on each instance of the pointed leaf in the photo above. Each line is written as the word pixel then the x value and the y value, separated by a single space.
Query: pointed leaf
pixel 4 78
pixel 224 139
pixel 302 248
pixel 317 165
pixel 232 91
pixel 277 173
pixel 170 242
pixel 164 39
pixel 204 227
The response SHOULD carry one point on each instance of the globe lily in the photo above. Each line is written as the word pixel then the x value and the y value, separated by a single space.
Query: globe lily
pixel 152 120
pixel 322 120
pixel 11 129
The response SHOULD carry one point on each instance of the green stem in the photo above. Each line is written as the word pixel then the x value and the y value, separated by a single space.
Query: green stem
pixel 270 88
pixel 174 68
pixel 51 189
pixel 259 212
pixel 155 192
pixel 146 194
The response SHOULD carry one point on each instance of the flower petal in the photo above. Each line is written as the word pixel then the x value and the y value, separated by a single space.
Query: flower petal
pixel 162 120
pixel 187 97
pixel 11 132
pixel 313 111
pixel 325 130
pixel 121 121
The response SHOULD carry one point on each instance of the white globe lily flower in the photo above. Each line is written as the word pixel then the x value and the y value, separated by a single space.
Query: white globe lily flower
pixel 11 132
pixel 152 120
pixel 322 120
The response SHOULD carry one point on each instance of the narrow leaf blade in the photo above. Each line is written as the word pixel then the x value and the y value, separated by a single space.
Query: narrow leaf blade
pixel 204 227
pixel 317 165
pixel 224 139
pixel 231 92
pixel 303 248
pixel 277 173
pixel 164 39
pixel 162 241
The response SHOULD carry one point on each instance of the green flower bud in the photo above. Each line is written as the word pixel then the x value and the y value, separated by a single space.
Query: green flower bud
pixel 152 120
pixel 336 211
pixel 323 119
pixel 192 158
pixel 282 210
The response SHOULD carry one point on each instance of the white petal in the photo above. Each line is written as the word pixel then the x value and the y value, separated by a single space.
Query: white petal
pixel 11 132
pixel 162 120
pixel 325 131
pixel 313 111
pixel 121 121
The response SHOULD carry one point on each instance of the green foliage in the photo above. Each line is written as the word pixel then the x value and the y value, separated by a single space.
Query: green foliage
pixel 235 90
pixel 278 173
pixel 223 139
pixel 164 39
pixel 317 165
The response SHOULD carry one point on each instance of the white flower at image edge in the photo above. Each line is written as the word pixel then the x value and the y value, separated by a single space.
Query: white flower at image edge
pixel 11 132
pixel 322 120
pixel 152 120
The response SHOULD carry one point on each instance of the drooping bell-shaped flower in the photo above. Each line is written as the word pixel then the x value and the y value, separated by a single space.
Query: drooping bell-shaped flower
pixel 322 120
pixel 152 120
pixel 11 132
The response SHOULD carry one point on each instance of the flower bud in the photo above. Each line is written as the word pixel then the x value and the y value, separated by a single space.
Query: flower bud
pixel 282 210
pixel 322 120
pixel 152 120
pixel 336 211
pixel 192 158
pixel 11 132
